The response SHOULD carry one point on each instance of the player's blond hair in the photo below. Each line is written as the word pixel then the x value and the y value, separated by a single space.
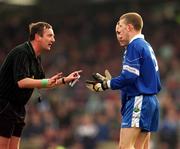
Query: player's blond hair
pixel 133 18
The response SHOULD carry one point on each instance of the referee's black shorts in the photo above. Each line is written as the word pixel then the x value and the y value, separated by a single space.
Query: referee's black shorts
pixel 11 123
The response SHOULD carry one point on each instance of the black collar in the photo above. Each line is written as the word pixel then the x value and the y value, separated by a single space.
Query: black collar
pixel 32 50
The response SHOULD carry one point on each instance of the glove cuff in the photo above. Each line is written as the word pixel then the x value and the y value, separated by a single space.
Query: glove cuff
pixel 104 85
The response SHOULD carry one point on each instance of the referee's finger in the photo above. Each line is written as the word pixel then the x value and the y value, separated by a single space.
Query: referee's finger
pixel 58 76
pixel 78 71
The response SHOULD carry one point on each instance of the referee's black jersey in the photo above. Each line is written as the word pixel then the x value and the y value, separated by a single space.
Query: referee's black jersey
pixel 20 63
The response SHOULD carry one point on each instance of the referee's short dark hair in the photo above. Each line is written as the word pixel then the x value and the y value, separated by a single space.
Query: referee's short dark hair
pixel 133 18
pixel 37 28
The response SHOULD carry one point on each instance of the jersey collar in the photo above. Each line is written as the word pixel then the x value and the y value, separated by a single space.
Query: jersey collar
pixel 137 36
pixel 31 49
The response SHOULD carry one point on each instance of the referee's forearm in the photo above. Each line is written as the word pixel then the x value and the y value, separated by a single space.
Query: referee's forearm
pixel 30 83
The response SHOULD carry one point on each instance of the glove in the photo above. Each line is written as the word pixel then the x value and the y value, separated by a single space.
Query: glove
pixel 99 83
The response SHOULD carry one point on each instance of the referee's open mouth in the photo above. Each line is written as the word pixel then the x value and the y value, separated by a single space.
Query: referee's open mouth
pixel 50 44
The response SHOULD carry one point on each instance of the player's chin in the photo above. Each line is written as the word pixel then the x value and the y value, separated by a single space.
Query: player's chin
pixel 122 43
pixel 48 48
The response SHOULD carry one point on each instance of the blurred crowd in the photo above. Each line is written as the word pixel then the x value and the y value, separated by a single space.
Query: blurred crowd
pixel 73 117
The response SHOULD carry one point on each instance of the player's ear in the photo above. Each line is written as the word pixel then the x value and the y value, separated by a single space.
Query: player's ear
pixel 130 27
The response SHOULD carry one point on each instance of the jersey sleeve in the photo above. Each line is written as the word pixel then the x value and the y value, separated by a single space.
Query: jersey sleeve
pixel 21 66
pixel 130 70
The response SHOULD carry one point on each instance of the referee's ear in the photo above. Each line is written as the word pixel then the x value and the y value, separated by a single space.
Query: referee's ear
pixel 37 37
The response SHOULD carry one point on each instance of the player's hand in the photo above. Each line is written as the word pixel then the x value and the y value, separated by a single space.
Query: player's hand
pixel 99 83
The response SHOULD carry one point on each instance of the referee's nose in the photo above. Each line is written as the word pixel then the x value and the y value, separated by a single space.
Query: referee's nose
pixel 53 39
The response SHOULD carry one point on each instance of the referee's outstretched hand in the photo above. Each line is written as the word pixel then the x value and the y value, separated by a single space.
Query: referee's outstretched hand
pixel 58 79
pixel 72 76
pixel 52 82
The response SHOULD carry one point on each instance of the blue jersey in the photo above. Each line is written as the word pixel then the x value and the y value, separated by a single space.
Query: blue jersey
pixel 140 72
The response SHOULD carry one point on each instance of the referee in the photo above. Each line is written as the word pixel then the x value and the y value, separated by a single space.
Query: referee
pixel 20 73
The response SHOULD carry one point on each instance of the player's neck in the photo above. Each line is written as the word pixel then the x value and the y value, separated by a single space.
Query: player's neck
pixel 36 48
pixel 133 34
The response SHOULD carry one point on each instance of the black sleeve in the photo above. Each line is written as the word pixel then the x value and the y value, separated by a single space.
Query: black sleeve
pixel 21 66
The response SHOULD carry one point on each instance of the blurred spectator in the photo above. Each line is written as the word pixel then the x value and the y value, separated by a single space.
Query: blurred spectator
pixel 87 131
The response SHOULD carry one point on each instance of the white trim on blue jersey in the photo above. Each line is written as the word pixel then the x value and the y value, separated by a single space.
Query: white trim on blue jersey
pixel 137 36
pixel 131 69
